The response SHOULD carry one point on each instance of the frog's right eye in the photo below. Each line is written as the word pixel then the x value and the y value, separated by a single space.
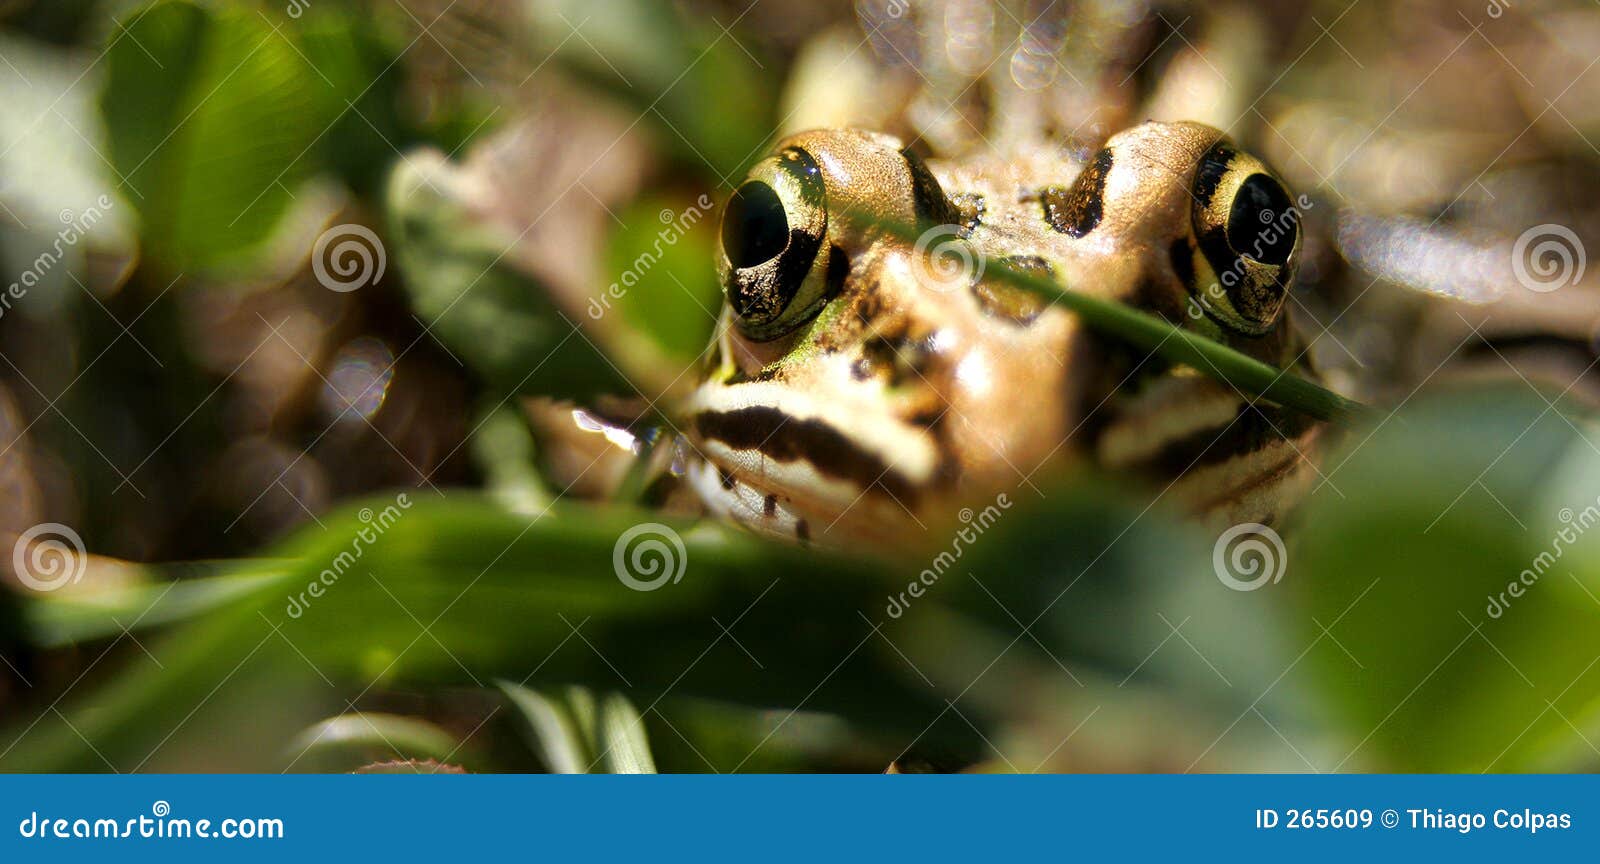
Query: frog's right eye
pixel 772 231
pixel 1248 228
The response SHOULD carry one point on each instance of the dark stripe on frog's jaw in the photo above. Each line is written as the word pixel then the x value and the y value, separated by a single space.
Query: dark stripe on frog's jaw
pixel 1078 209
pixel 782 438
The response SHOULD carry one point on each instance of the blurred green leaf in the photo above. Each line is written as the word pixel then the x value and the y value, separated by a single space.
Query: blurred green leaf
pixel 351 740
pixel 1119 625
pixel 1403 555
pixel 209 114
pixel 668 288
pixel 574 734
pixel 500 321
pixel 359 78
pixel 61 619
pixel 459 592
pixel 504 449
pixel 1100 605
pixel 674 70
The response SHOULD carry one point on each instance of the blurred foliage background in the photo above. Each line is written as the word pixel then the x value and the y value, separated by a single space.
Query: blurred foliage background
pixel 191 375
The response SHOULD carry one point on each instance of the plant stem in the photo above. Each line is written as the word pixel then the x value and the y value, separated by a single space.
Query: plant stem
pixel 1175 343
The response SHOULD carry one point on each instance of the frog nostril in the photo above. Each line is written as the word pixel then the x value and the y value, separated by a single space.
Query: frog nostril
pixel 755 227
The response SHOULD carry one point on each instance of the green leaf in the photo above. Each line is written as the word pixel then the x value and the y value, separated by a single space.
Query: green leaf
pixel 55 620
pixel 360 78
pixel 1424 523
pixel 504 449
pixel 620 737
pixel 667 288
pixel 1101 606
pixel 498 320
pixel 674 70
pixel 500 595
pixel 209 115
pixel 358 738
pixel 573 734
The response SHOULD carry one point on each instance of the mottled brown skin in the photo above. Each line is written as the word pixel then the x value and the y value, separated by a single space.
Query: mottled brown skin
pixel 900 382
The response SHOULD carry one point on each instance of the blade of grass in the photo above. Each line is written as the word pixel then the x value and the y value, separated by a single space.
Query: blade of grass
pixel 575 733
pixel 360 737
pixel 54 621
pixel 1174 343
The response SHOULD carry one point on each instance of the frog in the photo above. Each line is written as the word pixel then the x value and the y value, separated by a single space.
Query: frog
pixel 865 381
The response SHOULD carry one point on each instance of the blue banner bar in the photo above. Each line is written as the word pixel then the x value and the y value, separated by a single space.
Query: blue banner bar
pixel 178 818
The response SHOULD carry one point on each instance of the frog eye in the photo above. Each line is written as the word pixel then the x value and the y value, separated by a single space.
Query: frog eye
pixel 772 231
pixel 1248 228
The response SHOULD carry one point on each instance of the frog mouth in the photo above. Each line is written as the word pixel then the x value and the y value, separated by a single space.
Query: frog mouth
pixel 783 462
pixel 784 438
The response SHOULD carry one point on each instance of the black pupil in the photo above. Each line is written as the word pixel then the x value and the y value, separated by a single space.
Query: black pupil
pixel 754 227
pixel 1263 223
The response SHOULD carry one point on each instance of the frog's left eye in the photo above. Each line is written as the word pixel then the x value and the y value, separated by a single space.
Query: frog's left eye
pixel 1248 228
pixel 772 231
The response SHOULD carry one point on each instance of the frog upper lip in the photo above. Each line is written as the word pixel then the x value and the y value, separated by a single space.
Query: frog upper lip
pixel 785 438
pixel 846 438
